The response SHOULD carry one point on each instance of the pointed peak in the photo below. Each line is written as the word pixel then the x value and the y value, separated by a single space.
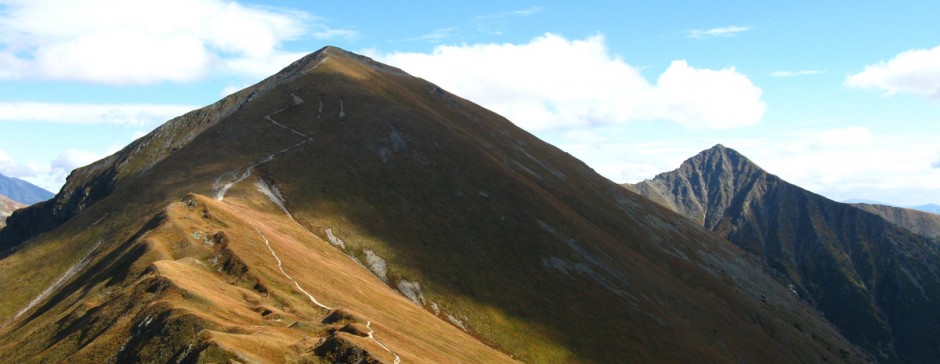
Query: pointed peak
pixel 335 54
pixel 720 150
pixel 720 155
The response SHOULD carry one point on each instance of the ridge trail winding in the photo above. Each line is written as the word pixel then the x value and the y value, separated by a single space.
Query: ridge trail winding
pixel 221 189
pixel 280 265
pixel 371 336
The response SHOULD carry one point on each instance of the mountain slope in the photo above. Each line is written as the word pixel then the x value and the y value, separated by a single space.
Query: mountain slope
pixel 918 222
pixel 877 282
pixel 21 191
pixel 7 206
pixel 344 210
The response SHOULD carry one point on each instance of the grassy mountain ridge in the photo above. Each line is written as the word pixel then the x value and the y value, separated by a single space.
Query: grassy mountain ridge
pixel 877 282
pixel 412 211
pixel 213 292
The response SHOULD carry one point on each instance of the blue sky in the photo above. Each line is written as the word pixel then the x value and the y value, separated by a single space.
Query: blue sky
pixel 840 98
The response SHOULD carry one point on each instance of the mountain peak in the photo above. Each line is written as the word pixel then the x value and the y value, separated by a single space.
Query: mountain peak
pixel 338 55
pixel 722 160
pixel 718 147
pixel 837 256
pixel 712 177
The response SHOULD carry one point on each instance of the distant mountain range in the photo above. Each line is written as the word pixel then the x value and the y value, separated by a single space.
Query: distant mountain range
pixel 917 221
pixel 931 208
pixel 861 265
pixel 21 191
pixel 345 211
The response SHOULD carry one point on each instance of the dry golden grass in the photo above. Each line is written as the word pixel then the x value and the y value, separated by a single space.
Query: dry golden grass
pixel 234 317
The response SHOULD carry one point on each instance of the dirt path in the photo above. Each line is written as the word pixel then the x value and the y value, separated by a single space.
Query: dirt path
pixel 371 336
pixel 280 265
pixel 221 188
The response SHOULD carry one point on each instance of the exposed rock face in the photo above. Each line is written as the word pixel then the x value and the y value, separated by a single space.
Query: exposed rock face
pixel 918 222
pixel 876 281
pixel 230 232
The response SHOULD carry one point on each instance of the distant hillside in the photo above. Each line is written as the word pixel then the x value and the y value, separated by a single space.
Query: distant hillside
pixel 7 206
pixel 878 282
pixel 21 191
pixel 931 208
pixel 865 200
pixel 917 221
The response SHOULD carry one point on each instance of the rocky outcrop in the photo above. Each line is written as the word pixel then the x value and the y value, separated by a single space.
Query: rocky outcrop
pixel 877 282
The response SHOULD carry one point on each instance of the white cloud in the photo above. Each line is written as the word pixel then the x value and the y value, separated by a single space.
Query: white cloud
pixel 857 136
pixel 727 31
pixel 555 83
pixel 624 160
pixel 915 71
pixel 839 163
pixel 74 158
pixel 118 114
pixel 230 89
pixel 12 168
pixel 509 14
pixel 436 36
pixel 704 98
pixel 324 33
pixel 794 73
pixel 48 175
pixel 261 67
pixel 143 42
pixel 887 167
pixel 497 23
pixel 936 164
